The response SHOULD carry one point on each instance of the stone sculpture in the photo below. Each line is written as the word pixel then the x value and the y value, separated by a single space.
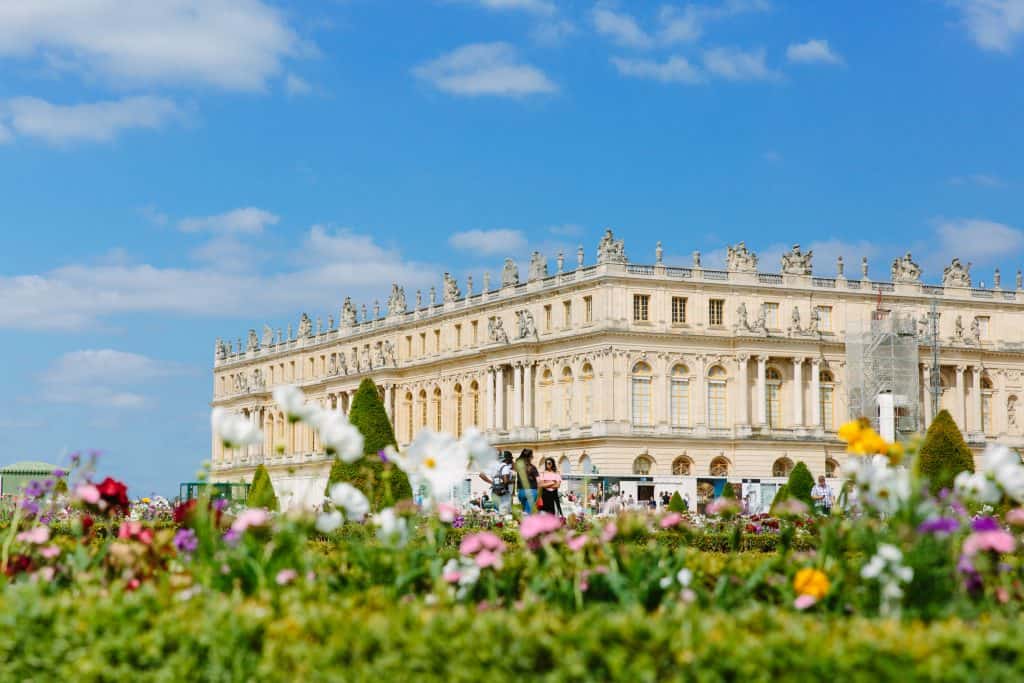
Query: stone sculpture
pixel 905 270
pixel 611 250
pixel 538 266
pixel 956 274
pixel 347 318
pixel 305 326
pixel 451 289
pixel 510 274
pixel 739 259
pixel 796 262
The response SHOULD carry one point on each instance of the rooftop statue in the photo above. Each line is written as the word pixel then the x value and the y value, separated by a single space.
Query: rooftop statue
pixel 510 274
pixel 611 250
pixel 348 313
pixel 253 343
pixel 451 289
pixel 268 335
pixel 739 259
pixel 305 326
pixel 220 349
pixel 396 302
pixel 905 270
pixel 796 262
pixel 956 275
pixel 538 266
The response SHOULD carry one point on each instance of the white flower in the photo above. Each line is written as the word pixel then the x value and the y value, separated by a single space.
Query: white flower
pixel 1003 465
pixel 891 591
pixel 338 435
pixel 435 459
pixel 977 487
pixel 684 577
pixel 329 521
pixel 293 402
pixel 391 528
pixel 350 500
pixel 880 486
pixel 665 582
pixel 480 453
pixel 873 568
pixel 234 431
pixel 890 553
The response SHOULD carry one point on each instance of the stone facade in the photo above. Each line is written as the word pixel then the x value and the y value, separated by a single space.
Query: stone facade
pixel 668 374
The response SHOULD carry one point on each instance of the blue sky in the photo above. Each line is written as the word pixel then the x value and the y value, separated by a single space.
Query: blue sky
pixel 178 170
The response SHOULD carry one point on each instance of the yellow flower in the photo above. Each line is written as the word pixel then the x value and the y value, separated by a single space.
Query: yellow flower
pixel 145 500
pixel 895 453
pixel 811 582
pixel 861 439
pixel 850 432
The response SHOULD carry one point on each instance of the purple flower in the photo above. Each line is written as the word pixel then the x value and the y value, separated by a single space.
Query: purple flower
pixel 59 473
pixel 185 541
pixel 985 524
pixel 30 506
pixel 33 489
pixel 231 536
pixel 219 504
pixel 76 459
pixel 939 525
pixel 383 456
pixel 958 508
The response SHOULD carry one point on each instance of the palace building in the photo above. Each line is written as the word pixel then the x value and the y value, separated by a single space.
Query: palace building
pixel 647 377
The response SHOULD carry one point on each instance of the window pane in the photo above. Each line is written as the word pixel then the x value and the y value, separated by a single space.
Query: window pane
pixel 641 401
pixel 827 417
pixel 680 403
pixel 716 405
pixel 771 398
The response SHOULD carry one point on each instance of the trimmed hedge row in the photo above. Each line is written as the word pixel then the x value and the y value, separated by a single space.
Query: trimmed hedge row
pixel 309 637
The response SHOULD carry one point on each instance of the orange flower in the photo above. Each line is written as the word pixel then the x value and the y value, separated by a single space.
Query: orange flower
pixel 812 582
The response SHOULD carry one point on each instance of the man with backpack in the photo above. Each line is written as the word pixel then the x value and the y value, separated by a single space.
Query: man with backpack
pixel 501 480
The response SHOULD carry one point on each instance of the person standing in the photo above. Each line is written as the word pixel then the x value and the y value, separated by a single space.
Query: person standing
pixel 821 494
pixel 526 480
pixel 501 480
pixel 550 480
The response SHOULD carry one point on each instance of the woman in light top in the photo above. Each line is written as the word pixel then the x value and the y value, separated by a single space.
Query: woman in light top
pixel 549 481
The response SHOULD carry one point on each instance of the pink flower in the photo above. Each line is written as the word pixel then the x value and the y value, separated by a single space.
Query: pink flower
pixel 488 558
pixel 286 576
pixel 1015 517
pixel 46 574
pixel 491 541
pixel 470 545
pixel 804 601
pixel 483 540
pixel 36 535
pixel 452 576
pixel 722 505
pixel 998 541
pixel 538 525
pixel 576 543
pixel 687 595
pixel 50 552
pixel 671 520
pixel 253 517
pixel 88 493
pixel 129 530
pixel 609 532
pixel 446 512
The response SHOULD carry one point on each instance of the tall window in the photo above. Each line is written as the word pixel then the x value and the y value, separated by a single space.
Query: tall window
pixel 678 310
pixel 547 381
pixel 772 406
pixel 423 343
pixel 566 314
pixel 642 394
pixel 458 410
pixel 437 409
pixel 825 318
pixel 586 394
pixel 641 307
pixel 458 336
pixel 437 341
pixel 984 322
pixel 567 397
pixel 588 309
pixel 408 346
pixel 716 397
pixel 716 312
pixel 986 405
pixel 408 417
pixel 771 315
pixel 679 397
pixel 474 328
pixel 423 408
pixel 826 400
pixel 547 318
pixel 474 397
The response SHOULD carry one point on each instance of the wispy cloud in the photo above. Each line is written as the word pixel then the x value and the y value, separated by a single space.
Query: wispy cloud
pixel 484 69
pixel 104 378
pixel 553 32
pixel 620 27
pixel 543 7
pixel 673 70
pixel 60 125
pixel 813 52
pixel 673 24
pixel 978 240
pixel 734 64
pixel 296 87
pixel 498 241
pixel 993 25
pixel 248 220
pixel 980 179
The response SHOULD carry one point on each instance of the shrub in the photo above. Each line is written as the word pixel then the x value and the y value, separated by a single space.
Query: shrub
pixel 780 496
pixel 944 453
pixel 800 483
pixel 676 503
pixel 382 483
pixel 729 491
pixel 261 493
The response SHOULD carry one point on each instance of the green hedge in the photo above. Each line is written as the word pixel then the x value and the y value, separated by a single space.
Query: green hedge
pixel 944 453
pixel 306 636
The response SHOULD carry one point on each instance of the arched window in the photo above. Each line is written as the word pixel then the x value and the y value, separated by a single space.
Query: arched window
pixel 679 397
pixel 437 409
pixel 719 467
pixel 565 466
pixel 586 466
pixel 458 410
pixel 832 469
pixel 547 380
pixel 474 397
pixel 682 466
pixel 986 404
pixel 567 389
pixel 716 397
pixel 782 467
pixel 407 407
pixel 772 400
pixel 642 465
pixel 641 394
pixel 423 408
pixel 586 394
pixel 826 400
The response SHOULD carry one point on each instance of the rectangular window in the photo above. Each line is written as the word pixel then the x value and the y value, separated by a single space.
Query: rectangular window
pixel 772 407
pixel 423 345
pixel 771 315
pixel 458 336
pixel 986 412
pixel 547 318
pixel 824 318
pixel 475 331
pixel 827 409
pixel 566 314
pixel 984 323
pixel 678 310
pixel 437 341
pixel 716 405
pixel 292 367
pixel 642 401
pixel 680 403
pixel 408 346
pixel 641 307
pixel 716 312
pixel 588 309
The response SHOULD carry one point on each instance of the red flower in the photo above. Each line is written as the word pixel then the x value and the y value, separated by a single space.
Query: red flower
pixel 183 513
pixel 87 523
pixel 115 494
pixel 18 564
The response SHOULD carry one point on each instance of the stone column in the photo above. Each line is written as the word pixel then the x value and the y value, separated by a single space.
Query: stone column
pixel 389 396
pixel 742 414
pixel 976 400
pixel 927 384
pixel 762 362
pixel 415 411
pixel 798 392
pixel 488 399
pixel 701 394
pixel 499 398
pixel 528 394
pixel 961 399
pixel 517 395
pixel 816 393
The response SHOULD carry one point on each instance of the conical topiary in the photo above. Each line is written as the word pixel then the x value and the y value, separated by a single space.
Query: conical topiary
pixel 676 503
pixel 781 496
pixel 381 482
pixel 944 453
pixel 800 483
pixel 261 493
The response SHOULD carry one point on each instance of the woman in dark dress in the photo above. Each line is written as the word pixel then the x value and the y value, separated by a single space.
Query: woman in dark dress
pixel 550 480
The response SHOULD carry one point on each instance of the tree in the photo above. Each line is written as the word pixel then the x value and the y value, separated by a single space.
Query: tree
pixel 261 493
pixel 729 491
pixel 381 482
pixel 800 484
pixel 781 496
pixel 676 503
pixel 944 453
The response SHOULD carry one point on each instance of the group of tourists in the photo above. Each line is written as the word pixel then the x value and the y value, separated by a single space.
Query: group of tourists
pixel 536 490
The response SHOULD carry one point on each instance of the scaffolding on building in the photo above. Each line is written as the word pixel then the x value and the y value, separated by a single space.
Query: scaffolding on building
pixel 883 378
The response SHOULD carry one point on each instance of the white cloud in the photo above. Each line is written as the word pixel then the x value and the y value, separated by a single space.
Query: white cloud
pixel 993 25
pixel 93 122
pixel 5 134
pixel 813 52
pixel 248 220
pixel 980 179
pixel 977 240
pixel 620 27
pixel 736 65
pixel 674 24
pixel 295 86
pixel 552 32
pixel 102 378
pixel 674 70
pixel 543 7
pixel 566 230
pixel 484 69
pixel 228 44
pixel 499 241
